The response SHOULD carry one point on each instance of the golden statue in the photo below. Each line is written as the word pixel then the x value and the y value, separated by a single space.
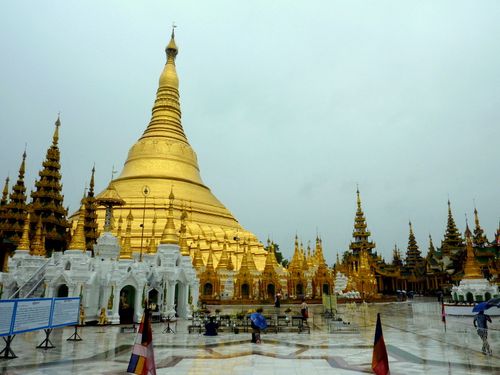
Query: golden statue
pixel 103 317
pixel 82 315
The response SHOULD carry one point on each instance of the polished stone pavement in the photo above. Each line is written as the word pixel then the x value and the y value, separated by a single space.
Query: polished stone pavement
pixel 413 333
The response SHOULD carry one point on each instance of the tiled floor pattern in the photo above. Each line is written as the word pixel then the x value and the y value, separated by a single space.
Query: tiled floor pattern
pixel 413 332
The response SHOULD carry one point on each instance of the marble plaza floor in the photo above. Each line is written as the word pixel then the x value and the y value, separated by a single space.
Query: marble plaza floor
pixel 413 333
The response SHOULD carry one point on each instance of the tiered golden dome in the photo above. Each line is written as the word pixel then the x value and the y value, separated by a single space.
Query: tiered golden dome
pixel 162 159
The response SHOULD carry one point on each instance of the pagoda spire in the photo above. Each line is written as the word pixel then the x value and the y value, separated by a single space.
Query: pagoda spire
pixel 90 223
pixel 152 241
pixel 224 259
pixel 472 270
pixel 479 238
pixel 24 244
pixel 13 214
pixel 396 256
pixel 183 244
pixel 78 239
pixel 55 137
pixel 119 229
pixel 452 242
pixel 210 260
pixel 126 252
pixel 250 260
pixel 5 193
pixel 360 233
pixel 169 235
pixel 198 259
pixel 413 255
pixel 166 114
pixel 38 243
pixel 48 200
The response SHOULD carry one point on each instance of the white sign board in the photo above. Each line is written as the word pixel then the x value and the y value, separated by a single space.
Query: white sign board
pixel 32 314
pixel 6 314
pixel 66 312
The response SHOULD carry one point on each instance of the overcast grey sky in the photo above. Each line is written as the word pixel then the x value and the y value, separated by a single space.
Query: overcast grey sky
pixel 287 104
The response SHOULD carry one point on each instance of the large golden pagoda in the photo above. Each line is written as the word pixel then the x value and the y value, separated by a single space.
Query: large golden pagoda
pixel 162 161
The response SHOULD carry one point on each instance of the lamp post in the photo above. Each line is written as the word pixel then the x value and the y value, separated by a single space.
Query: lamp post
pixel 145 193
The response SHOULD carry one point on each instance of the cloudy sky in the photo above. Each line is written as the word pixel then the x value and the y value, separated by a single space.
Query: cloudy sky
pixel 288 105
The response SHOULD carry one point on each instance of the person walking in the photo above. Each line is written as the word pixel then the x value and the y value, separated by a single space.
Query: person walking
pixel 304 311
pixel 481 323
pixel 257 322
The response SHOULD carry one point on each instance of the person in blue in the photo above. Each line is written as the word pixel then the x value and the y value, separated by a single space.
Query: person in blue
pixel 481 323
pixel 257 322
pixel 211 327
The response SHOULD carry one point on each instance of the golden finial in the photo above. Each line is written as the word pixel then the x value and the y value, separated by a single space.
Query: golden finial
pixel 358 200
pixel 172 49
pixel 411 227
pixel 22 168
pixel 55 137
pixel 91 185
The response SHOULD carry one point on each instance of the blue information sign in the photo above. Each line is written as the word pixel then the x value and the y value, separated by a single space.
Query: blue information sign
pixel 32 314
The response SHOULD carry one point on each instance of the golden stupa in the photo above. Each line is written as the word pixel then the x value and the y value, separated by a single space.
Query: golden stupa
pixel 162 161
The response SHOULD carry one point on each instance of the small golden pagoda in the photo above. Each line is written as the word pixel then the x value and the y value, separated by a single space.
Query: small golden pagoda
pixel 472 270
pixel 270 279
pixel 322 282
pixel 297 282
pixel 163 158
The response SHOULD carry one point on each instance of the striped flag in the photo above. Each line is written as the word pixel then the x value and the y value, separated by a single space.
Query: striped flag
pixel 142 361
pixel 380 361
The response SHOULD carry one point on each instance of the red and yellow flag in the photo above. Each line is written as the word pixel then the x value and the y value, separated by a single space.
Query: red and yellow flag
pixel 380 361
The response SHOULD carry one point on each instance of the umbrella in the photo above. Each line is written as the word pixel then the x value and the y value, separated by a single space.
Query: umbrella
pixel 494 302
pixel 481 307
pixel 258 320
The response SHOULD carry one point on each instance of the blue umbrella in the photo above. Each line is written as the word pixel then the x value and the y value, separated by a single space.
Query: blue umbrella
pixel 258 320
pixel 481 307
pixel 494 302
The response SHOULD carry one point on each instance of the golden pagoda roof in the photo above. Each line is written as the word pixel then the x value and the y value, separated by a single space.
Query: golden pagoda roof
pixel 110 197
pixel 162 158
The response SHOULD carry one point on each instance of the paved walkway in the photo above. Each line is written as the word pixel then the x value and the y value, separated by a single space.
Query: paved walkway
pixel 413 332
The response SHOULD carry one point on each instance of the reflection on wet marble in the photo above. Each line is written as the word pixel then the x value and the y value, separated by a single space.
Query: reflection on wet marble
pixel 413 332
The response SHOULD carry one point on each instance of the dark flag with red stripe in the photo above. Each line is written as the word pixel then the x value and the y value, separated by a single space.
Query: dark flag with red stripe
pixel 380 361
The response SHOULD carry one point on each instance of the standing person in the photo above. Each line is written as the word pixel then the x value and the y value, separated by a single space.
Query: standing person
pixel 304 311
pixel 481 323
pixel 277 300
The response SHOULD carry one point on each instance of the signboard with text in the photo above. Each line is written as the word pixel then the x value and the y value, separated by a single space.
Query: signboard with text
pixel 26 315
pixel 66 312
pixel 6 315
